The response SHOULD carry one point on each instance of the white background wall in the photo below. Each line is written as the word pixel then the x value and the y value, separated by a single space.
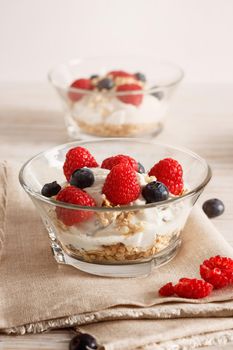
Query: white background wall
pixel 36 34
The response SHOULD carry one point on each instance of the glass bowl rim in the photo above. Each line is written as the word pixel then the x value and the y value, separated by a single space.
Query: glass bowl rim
pixel 117 208
pixel 129 92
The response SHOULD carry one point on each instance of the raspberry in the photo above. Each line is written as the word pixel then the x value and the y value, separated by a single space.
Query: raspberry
pixel 74 195
pixel 192 288
pixel 77 158
pixel 218 271
pixel 120 73
pixel 121 185
pixel 170 173
pixel 84 84
pixel 135 100
pixel 167 290
pixel 110 162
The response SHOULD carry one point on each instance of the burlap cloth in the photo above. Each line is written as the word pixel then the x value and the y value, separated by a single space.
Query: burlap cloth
pixel 37 294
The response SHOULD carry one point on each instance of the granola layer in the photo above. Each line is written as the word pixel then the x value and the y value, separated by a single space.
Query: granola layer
pixel 104 129
pixel 120 253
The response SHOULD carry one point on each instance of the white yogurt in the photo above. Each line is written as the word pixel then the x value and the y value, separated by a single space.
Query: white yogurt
pixel 151 222
pixel 95 191
pixel 96 109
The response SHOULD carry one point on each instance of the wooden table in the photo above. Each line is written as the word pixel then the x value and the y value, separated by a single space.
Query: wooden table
pixel 201 118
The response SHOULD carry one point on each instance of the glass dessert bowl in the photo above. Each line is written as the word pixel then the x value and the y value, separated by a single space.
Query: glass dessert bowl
pixel 115 97
pixel 107 215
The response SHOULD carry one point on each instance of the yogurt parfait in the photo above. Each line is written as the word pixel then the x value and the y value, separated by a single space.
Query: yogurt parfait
pixel 114 235
pixel 114 207
pixel 123 98
pixel 119 105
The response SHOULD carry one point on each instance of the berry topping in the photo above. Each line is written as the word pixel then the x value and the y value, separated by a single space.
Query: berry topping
pixel 50 189
pixel 141 77
pixel 167 290
pixel 82 178
pixel 74 195
pixel 218 271
pixel 110 162
pixel 94 76
pixel 134 99
pixel 77 158
pixel 84 84
pixel 120 74
pixel 83 341
pixel 155 191
pixel 141 168
pixel 192 288
pixel 213 207
pixel 121 185
pixel 170 173
pixel 105 83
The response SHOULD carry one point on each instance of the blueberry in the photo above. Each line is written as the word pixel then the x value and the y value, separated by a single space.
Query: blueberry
pixel 83 342
pixel 82 178
pixel 50 189
pixel 213 207
pixel 140 77
pixel 105 83
pixel 141 168
pixel 155 191
pixel 159 95
pixel 94 76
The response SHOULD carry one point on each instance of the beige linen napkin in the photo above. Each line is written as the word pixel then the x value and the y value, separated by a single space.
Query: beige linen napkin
pixel 37 294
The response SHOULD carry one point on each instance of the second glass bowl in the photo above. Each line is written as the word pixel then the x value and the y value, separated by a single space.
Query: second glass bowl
pixel 113 110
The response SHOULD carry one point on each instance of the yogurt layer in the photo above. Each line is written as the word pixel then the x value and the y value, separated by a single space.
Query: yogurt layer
pixel 138 228
pixel 110 110
pixel 95 191
pixel 152 222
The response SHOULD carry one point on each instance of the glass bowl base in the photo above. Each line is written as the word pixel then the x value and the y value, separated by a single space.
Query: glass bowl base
pixel 120 270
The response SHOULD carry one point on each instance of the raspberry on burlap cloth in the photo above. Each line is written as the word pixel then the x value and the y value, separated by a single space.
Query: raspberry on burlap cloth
pixel 37 294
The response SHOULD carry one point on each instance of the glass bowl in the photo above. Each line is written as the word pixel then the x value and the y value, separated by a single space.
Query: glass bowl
pixel 123 241
pixel 115 113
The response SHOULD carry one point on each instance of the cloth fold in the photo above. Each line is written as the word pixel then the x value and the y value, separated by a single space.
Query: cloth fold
pixel 3 202
pixel 37 294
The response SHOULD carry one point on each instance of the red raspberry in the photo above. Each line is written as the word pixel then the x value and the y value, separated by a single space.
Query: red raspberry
pixel 84 84
pixel 218 271
pixel 120 73
pixel 192 288
pixel 77 158
pixel 170 173
pixel 74 195
pixel 110 162
pixel 135 100
pixel 121 185
pixel 167 290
